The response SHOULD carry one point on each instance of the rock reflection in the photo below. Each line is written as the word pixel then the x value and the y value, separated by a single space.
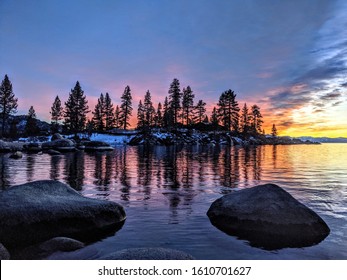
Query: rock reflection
pixel 4 173
pixel 30 166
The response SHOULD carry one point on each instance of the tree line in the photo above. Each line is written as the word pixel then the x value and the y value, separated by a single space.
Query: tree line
pixel 177 111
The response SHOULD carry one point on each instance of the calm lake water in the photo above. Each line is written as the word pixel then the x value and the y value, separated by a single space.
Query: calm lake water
pixel 166 192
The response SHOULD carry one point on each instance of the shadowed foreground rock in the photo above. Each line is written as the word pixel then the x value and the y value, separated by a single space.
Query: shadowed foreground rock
pixel 4 254
pixel 148 254
pixel 40 210
pixel 47 248
pixel 268 217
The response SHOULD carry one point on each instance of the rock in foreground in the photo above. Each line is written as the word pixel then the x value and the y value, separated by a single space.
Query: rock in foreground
pixel 148 254
pixel 45 249
pixel 268 217
pixel 40 210
pixel 4 254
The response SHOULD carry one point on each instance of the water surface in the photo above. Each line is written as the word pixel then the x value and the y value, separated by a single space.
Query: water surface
pixel 166 192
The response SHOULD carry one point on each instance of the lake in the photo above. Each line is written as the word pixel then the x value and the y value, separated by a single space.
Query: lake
pixel 166 192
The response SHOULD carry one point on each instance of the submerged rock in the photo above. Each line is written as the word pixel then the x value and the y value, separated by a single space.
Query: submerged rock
pixel 148 254
pixel 45 249
pixel 4 254
pixel 16 155
pixel 40 210
pixel 268 217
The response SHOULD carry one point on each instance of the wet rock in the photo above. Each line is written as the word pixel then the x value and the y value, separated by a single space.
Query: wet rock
pixel 57 136
pixel 148 254
pixel 61 145
pixel 16 155
pixel 4 254
pixel 45 249
pixel 53 152
pixel 268 217
pixel 40 210
pixel 32 147
pixel 97 146
pixel 86 253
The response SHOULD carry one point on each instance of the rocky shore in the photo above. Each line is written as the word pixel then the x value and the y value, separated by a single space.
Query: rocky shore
pixel 60 144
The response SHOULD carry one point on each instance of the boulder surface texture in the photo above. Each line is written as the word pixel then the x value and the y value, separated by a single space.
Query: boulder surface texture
pixel 268 217
pixel 37 211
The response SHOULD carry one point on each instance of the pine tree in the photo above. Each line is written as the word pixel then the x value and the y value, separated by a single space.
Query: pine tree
pixel 200 110
pixel 76 109
pixel 125 108
pixel 174 101
pixel 228 110
pixel 149 110
pixel 109 113
pixel 8 102
pixel 56 114
pixel 90 127
pixel 141 116
pixel 116 117
pixel 245 119
pixel 187 105
pixel 256 119
pixel 31 124
pixel 166 114
pixel 158 119
pixel 214 118
pixel 99 113
pixel 274 131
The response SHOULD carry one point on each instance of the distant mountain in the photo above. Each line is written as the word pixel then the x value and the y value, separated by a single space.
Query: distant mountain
pixel 21 121
pixel 324 139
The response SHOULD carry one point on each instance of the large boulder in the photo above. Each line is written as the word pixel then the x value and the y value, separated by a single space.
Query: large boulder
pixel 47 248
pixel 40 210
pixel 4 254
pixel 148 254
pixel 61 145
pixel 97 146
pixel 268 217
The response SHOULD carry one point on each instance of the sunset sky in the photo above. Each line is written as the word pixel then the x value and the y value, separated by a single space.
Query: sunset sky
pixel 289 57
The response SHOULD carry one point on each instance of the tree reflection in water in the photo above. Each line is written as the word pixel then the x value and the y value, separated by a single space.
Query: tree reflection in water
pixel 139 173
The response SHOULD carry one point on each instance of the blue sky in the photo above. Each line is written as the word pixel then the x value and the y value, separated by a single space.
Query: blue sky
pixel 289 57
